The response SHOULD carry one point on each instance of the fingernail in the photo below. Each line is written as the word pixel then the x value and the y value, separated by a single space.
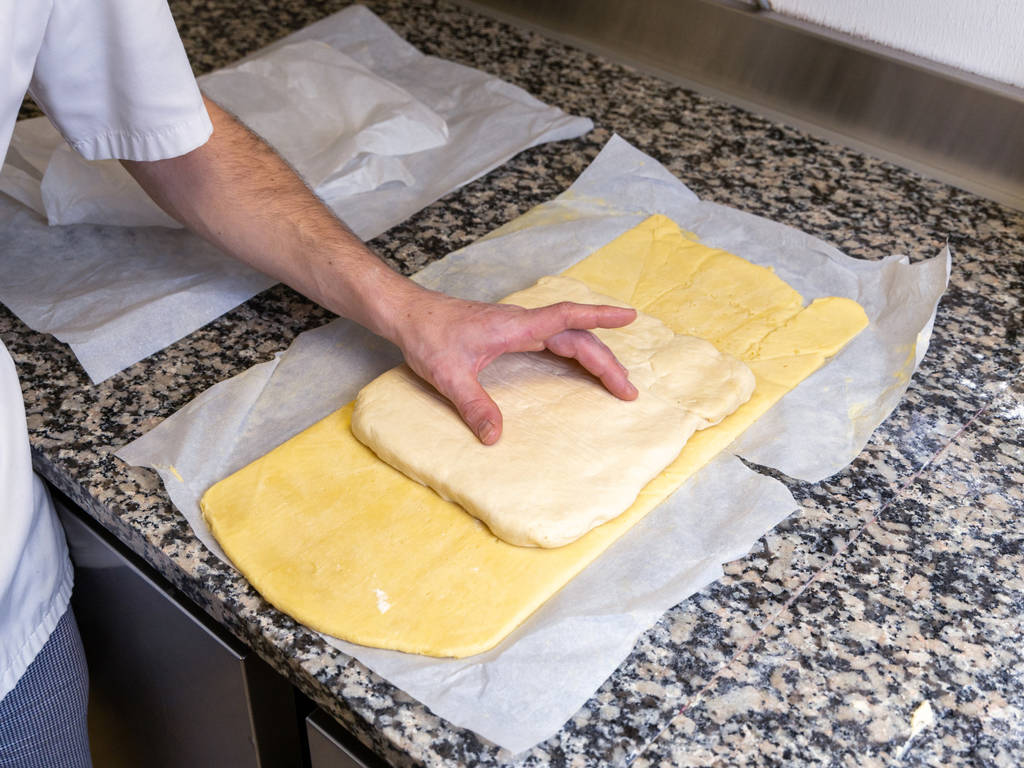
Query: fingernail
pixel 487 432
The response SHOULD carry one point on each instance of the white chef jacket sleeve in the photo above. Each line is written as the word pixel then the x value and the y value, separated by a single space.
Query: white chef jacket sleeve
pixel 114 77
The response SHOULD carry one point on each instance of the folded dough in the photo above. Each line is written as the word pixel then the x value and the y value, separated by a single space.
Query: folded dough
pixel 571 455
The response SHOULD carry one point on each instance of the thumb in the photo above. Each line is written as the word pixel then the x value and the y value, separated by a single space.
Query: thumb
pixel 477 409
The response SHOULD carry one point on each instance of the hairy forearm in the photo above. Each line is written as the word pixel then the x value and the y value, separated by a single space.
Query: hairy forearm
pixel 240 195
pixel 236 192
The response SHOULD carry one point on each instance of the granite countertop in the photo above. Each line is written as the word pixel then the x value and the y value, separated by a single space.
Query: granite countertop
pixel 900 581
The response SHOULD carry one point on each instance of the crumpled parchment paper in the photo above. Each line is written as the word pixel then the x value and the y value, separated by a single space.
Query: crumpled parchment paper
pixel 118 294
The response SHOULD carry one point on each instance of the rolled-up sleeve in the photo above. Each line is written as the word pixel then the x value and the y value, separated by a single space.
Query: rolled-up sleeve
pixel 114 77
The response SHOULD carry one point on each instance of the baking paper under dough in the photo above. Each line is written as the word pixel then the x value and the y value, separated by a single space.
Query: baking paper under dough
pixel 571 455
pixel 349 546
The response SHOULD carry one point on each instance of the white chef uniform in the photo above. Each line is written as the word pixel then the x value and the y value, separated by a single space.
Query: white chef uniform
pixel 114 78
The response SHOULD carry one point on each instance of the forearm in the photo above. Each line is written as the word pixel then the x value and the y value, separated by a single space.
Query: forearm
pixel 240 195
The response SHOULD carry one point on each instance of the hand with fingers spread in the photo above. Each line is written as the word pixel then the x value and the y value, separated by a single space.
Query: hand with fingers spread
pixel 449 341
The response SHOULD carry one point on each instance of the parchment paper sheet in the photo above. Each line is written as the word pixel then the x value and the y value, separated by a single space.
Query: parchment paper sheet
pixel 524 690
pixel 339 125
pixel 117 295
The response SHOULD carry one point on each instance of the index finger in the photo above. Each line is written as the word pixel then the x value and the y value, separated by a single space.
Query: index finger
pixel 547 321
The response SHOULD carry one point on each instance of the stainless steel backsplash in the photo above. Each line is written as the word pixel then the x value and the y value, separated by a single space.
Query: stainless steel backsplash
pixel 954 126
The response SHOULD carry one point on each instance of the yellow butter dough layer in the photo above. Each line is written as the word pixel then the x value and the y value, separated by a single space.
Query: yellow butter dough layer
pixel 347 545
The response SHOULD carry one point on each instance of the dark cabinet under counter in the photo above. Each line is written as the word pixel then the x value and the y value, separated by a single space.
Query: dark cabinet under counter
pixel 168 688
pixel 331 746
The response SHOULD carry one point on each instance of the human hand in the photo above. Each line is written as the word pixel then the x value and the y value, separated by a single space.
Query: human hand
pixel 220 190
pixel 448 341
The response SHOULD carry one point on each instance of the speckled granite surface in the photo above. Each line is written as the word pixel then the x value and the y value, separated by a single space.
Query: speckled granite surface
pixel 900 581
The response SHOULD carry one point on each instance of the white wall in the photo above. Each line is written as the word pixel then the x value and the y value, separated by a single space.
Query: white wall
pixel 985 37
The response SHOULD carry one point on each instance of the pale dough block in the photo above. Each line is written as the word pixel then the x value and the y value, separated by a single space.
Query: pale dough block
pixel 571 455
pixel 349 546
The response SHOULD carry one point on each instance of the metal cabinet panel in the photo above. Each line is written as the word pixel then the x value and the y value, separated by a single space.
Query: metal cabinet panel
pixel 167 687
pixel 331 746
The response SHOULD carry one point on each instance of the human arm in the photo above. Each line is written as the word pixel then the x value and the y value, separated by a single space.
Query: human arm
pixel 239 194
